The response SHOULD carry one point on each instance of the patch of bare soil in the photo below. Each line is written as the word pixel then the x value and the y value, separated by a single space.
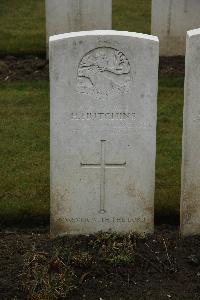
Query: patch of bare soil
pixel 28 68
pixel 104 266
pixel 172 66
pixel 14 246
pixel 35 68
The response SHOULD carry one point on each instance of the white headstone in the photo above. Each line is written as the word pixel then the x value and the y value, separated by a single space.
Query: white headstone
pixel 103 131
pixel 170 21
pixel 190 198
pixel 77 15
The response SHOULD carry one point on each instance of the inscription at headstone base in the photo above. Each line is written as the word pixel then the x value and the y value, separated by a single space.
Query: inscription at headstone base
pixel 190 192
pixel 103 131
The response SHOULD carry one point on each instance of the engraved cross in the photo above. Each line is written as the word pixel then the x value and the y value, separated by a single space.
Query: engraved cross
pixel 103 166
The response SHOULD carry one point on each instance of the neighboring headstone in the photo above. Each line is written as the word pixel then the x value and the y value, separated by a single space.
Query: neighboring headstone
pixel 103 131
pixel 190 198
pixel 63 16
pixel 170 21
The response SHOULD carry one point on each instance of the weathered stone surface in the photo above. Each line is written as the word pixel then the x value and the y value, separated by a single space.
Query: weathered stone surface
pixel 190 198
pixel 170 21
pixel 103 131
pixel 77 15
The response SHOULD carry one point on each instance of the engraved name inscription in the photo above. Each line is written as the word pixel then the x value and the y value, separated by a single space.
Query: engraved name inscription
pixel 102 116
pixel 104 72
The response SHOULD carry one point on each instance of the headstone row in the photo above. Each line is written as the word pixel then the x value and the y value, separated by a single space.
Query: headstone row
pixel 77 15
pixel 171 19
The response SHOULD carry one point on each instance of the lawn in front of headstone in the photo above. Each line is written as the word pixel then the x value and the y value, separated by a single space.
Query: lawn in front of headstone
pixel 27 35
pixel 22 27
pixel 24 155
pixel 24 152
pixel 169 149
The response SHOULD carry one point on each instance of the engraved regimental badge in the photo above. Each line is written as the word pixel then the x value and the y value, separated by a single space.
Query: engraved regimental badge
pixel 103 73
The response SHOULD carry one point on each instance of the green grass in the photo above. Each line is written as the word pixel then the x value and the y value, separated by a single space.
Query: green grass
pixel 132 15
pixel 169 145
pixel 24 149
pixel 22 23
pixel 22 27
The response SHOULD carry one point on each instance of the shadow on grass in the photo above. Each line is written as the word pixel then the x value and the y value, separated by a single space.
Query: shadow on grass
pixel 34 221
pixel 25 221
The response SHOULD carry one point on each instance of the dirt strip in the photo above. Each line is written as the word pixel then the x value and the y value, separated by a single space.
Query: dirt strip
pixel 35 68
pixel 165 266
